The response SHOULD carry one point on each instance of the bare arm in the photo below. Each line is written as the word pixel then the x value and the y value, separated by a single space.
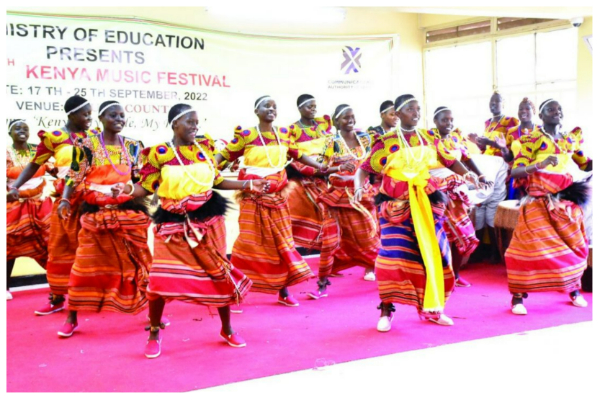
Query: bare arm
pixel 521 172
pixel 359 182
pixel 26 175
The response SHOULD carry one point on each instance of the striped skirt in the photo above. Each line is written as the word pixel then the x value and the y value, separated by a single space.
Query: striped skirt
pixel 306 214
pixel 265 251
pixel 459 228
pixel 355 244
pixel 548 250
pixel 27 229
pixel 62 246
pixel 399 266
pixel 200 275
pixel 111 265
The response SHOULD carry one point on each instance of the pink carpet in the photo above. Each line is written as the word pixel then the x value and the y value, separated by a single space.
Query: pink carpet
pixel 106 353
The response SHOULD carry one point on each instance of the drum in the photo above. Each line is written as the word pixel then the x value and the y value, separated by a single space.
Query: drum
pixel 505 222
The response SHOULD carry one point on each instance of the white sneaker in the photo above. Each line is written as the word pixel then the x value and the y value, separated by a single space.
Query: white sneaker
pixel 442 320
pixel 369 276
pixel 519 309
pixel 9 296
pixel 579 301
pixel 385 323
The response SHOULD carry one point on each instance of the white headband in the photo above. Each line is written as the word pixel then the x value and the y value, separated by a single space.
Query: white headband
pixel 387 109
pixel 544 104
pixel 440 110
pixel 266 98
pixel 78 107
pixel 14 123
pixel 341 111
pixel 181 114
pixel 405 103
pixel 305 101
pixel 107 107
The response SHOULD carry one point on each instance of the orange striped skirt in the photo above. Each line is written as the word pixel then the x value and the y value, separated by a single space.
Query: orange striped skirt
pixel 200 275
pixel 265 251
pixel 399 267
pixel 27 229
pixel 548 250
pixel 111 265
pixel 307 215
pixel 357 238
pixel 62 246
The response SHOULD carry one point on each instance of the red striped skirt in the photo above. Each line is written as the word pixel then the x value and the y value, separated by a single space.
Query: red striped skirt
pixel 265 251
pixel 459 228
pixel 306 214
pixel 548 250
pixel 27 229
pixel 357 242
pixel 199 275
pixel 399 267
pixel 62 246
pixel 111 265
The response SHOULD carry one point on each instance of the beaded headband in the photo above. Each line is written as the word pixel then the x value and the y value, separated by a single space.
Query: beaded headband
pixel 405 103
pixel 78 107
pixel 266 98
pixel 14 123
pixel 305 101
pixel 439 111
pixel 107 107
pixel 341 111
pixel 544 104
pixel 181 114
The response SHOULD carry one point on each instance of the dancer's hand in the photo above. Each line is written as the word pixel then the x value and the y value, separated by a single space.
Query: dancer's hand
pixel 64 209
pixel 117 189
pixel 12 195
pixel 472 137
pixel 551 160
pixel 358 194
pixel 348 167
pixel 261 185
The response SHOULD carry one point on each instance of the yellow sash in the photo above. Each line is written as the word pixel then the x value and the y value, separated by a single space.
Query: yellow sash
pixel 402 167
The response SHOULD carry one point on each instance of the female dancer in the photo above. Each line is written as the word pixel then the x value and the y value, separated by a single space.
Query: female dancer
pixel 458 226
pixel 62 242
pixel 358 241
pixel 190 262
pixel 264 250
pixel 548 250
pixel 389 119
pixel 112 260
pixel 310 134
pixel 414 263
pixel 513 136
pixel 27 212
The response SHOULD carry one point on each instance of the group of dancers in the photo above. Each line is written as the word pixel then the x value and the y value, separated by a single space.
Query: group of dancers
pixel 394 199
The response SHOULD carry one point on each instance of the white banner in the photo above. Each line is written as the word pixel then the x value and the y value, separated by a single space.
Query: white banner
pixel 149 67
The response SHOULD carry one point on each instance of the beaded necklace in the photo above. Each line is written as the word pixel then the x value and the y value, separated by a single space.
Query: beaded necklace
pixel 129 164
pixel 264 145
pixel 185 170
pixel 364 151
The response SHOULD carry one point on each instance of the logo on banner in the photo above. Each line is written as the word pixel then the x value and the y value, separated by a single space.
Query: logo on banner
pixel 351 59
